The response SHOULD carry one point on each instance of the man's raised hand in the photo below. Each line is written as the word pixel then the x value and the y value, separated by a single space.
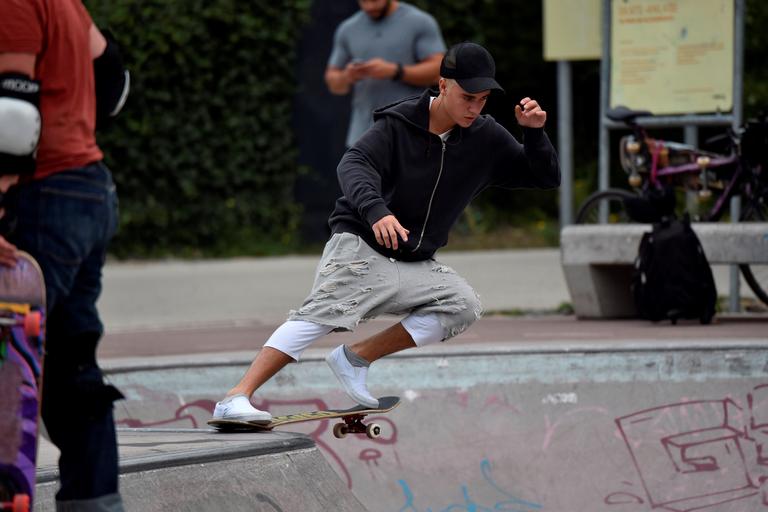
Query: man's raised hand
pixel 529 113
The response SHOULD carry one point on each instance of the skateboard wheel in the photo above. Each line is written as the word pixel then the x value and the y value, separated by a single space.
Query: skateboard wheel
pixel 32 324
pixel 372 430
pixel 21 503
pixel 340 430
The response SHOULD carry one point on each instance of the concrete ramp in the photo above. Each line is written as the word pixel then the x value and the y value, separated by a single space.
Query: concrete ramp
pixel 200 470
pixel 625 426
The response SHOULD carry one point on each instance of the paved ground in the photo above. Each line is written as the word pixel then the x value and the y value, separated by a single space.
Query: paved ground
pixel 173 293
pixel 262 290
pixel 175 307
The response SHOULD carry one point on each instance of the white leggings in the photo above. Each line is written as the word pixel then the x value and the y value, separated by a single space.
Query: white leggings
pixel 295 336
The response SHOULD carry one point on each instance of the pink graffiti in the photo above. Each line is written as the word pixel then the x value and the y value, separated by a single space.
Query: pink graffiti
pixel 693 454
pixel 190 414
pixel 370 456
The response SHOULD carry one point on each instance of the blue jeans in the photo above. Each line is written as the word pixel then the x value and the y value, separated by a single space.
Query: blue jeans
pixel 65 222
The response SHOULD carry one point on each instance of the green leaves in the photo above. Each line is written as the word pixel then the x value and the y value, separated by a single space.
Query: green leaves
pixel 203 153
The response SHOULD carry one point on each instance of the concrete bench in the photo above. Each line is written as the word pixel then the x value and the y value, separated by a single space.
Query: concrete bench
pixel 598 260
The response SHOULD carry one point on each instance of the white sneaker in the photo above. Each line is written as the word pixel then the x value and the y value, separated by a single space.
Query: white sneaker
pixel 238 407
pixel 352 378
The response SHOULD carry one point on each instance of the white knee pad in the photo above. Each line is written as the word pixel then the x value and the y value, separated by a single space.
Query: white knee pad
pixel 294 336
pixel 20 123
pixel 424 329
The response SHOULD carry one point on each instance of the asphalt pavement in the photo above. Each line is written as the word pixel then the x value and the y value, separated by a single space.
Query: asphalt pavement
pixel 163 308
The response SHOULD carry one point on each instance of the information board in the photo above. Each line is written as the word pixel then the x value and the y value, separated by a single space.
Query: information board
pixel 672 56
pixel 572 30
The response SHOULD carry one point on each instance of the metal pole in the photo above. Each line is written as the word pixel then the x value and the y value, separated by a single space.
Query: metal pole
pixel 738 63
pixel 735 288
pixel 691 136
pixel 604 153
pixel 565 141
pixel 738 77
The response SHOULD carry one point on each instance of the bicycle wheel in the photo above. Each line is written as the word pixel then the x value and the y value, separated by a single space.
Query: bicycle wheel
pixel 612 200
pixel 756 275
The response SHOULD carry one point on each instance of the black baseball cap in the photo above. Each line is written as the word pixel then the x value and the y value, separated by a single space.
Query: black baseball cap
pixel 471 66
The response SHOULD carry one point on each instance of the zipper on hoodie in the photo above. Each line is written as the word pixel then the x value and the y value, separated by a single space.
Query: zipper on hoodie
pixel 432 197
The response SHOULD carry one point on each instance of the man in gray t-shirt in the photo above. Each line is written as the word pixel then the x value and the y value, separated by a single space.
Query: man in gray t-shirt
pixel 387 51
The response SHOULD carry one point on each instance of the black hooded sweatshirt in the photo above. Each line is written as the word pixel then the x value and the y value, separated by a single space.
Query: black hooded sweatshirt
pixel 398 167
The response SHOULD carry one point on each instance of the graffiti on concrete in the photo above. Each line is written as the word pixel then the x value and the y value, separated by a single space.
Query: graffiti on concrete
pixel 506 500
pixel 700 451
pixel 697 454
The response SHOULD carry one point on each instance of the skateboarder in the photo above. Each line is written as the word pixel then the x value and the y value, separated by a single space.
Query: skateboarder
pixel 57 71
pixel 405 183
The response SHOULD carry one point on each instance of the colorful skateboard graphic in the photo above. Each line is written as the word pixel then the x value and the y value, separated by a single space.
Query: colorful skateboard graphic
pixel 22 339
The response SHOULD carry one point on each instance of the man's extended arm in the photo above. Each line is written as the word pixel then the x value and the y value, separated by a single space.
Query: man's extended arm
pixel 112 80
pixel 360 174
pixel 421 74
pixel 533 164
pixel 424 73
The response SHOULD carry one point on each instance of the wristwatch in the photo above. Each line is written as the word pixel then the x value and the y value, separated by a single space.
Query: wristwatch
pixel 398 73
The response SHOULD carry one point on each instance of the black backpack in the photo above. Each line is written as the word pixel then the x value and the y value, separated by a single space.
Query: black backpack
pixel 652 205
pixel 672 278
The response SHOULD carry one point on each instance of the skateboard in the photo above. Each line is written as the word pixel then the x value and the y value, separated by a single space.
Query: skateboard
pixel 352 420
pixel 22 338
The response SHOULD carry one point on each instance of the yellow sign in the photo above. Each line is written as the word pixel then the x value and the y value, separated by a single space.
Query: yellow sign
pixel 672 56
pixel 572 29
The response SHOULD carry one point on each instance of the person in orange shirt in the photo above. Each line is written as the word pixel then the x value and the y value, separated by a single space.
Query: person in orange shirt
pixel 57 74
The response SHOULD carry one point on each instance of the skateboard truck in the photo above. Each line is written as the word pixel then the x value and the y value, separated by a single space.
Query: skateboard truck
pixel 354 425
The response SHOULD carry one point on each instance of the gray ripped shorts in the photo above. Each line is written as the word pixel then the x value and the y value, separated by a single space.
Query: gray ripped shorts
pixel 354 283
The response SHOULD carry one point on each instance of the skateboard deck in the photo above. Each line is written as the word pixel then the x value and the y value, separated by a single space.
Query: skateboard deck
pixel 352 420
pixel 22 338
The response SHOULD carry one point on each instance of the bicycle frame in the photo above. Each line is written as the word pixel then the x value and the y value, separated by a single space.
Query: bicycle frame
pixel 722 200
pixel 703 167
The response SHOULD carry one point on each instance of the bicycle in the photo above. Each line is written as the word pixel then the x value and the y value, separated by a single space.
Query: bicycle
pixel 659 169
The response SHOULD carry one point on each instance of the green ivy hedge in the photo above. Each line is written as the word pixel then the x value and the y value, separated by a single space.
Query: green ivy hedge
pixel 203 153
